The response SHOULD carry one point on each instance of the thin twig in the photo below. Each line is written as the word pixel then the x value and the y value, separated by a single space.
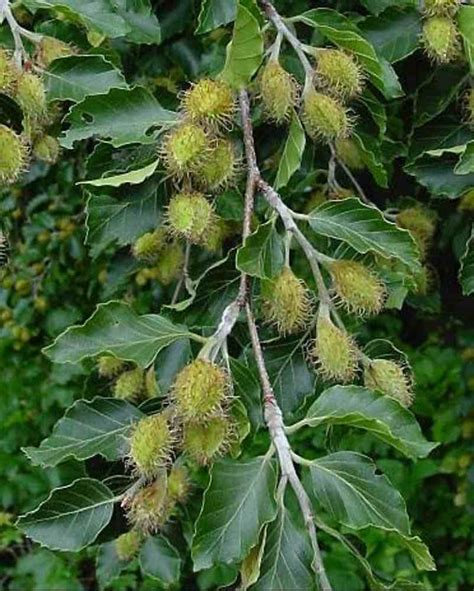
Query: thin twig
pixel 352 178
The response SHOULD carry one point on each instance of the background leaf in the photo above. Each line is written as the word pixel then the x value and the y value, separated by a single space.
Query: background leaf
pixel 262 254
pixel 215 13
pixel 160 560
pixel 292 154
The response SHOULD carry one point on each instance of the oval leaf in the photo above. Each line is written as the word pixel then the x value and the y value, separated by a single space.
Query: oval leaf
pixel 290 160
pixel 262 254
pixel 160 560
pixel 133 177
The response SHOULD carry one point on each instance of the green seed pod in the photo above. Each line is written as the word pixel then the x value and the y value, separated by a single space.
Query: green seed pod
pixel 130 385
pixel 324 117
pixel 108 366
pixel 441 7
pixel 421 223
pixel 220 166
pixel 390 378
pixel 217 233
pixel 348 151
pixel 178 483
pixel 13 155
pixel 286 302
pixel 50 49
pixel 169 264
pixel 209 101
pixel 338 73
pixel 185 148
pixel 317 198
pixel 205 442
pixel 440 38
pixel 151 445
pixel 31 95
pixel 190 216
pixel 150 507
pixel 46 148
pixel 200 390
pixel 358 288
pixel 278 92
pixel 334 351
pixel 8 72
pixel 127 545
pixel 149 245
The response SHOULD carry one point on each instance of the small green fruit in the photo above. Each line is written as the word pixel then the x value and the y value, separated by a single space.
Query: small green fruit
pixel 390 378
pixel 358 288
pixel 149 245
pixel 348 151
pixel 278 92
pixel 8 72
pixel 209 101
pixel 130 384
pixel 13 155
pixel 200 390
pixel 31 95
pixel 334 351
pixel 204 442
pixel 150 508
pixel 185 148
pixel 169 264
pixel 338 73
pixel 190 215
pixel 440 38
pixel 317 198
pixel 151 444
pixel 286 302
pixel 324 117
pixel 440 7
pixel 421 223
pixel 108 366
pixel 127 545
pixel 46 148
pixel 219 167
pixel 178 483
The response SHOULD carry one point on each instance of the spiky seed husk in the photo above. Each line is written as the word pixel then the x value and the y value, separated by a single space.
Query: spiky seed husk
pixel 390 378
pixel 50 49
pixel 46 148
pixel 8 71
pixel 324 117
pixel 13 155
pixel 440 7
pixel 127 545
pixel 169 264
pixel 130 385
pixel 348 151
pixel 278 92
pixel 440 38
pixel 219 167
pixel 151 445
pixel 190 215
pixel 209 101
pixel 200 391
pixel 218 232
pixel 150 507
pixel 109 367
pixel 205 442
pixel 286 302
pixel 185 148
pixel 421 223
pixel 149 245
pixel 338 73
pixel 31 95
pixel 152 388
pixel 317 197
pixel 358 288
pixel 334 351
pixel 178 483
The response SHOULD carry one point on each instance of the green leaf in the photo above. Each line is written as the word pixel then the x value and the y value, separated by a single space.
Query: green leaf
pixel 395 34
pixel 465 18
pixel 465 163
pixel 108 564
pixel 74 77
pixel 418 551
pixel 96 15
pixel 290 160
pixel 347 486
pixel 247 387
pixel 378 6
pixel 466 272
pixel 438 176
pixel 245 51
pixel 444 135
pixel 365 229
pixel 343 32
pixel 439 90
pixel 376 110
pixel 143 24
pixel 122 116
pixel 89 427
pixel 262 254
pixel 372 156
pixel 115 328
pixel 123 220
pixel 214 14
pixel 132 177
pixel 237 504
pixel 161 561
pixel 384 417
pixel 71 517
pixel 250 567
pixel 287 557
